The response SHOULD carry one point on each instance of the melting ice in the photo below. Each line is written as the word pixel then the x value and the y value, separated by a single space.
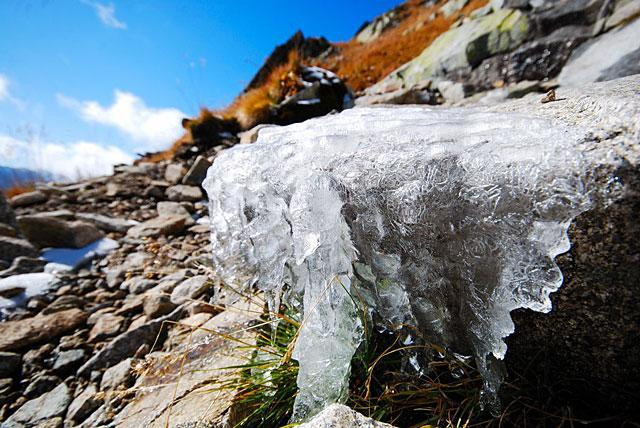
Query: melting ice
pixel 451 218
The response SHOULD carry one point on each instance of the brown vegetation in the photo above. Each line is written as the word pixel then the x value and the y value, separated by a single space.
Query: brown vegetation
pixel 18 189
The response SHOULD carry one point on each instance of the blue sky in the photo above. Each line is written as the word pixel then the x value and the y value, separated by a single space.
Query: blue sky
pixel 86 83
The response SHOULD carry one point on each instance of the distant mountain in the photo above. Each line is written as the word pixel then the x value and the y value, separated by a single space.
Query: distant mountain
pixel 16 176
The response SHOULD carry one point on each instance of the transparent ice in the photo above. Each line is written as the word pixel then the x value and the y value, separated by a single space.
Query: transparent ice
pixel 451 218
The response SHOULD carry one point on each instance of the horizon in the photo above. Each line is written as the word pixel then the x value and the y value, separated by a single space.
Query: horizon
pixel 87 84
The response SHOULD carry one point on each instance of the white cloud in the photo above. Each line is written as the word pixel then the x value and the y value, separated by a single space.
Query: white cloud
pixel 156 128
pixel 5 95
pixel 74 160
pixel 107 14
pixel 4 87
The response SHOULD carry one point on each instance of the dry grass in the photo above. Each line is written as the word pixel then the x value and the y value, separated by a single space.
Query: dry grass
pixel 18 189
pixel 363 64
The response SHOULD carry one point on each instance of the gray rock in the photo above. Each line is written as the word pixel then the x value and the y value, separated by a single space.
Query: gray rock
pixel 106 326
pixel 174 173
pixel 6 230
pixel 157 304
pixel 6 213
pixel 10 364
pixel 612 55
pixel 190 289
pixel 84 404
pixel 12 248
pixel 181 192
pixel 623 13
pixel 67 360
pixel 22 265
pixel 118 376
pixel 197 172
pixel 52 232
pixel 41 409
pixel 40 384
pixel 170 208
pixel 162 225
pixel 137 285
pixel 29 198
pixel 341 416
pixel 126 344
pixel 107 224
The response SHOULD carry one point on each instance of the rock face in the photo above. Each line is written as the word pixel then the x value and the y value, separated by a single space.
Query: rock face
pixel 454 227
pixel 48 231
pixel 610 56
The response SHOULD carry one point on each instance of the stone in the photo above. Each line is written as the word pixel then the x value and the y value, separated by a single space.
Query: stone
pixel 48 406
pixel 197 172
pixel 156 304
pixel 40 384
pixel 612 55
pixel 84 404
pixel 107 224
pixel 190 289
pixel 206 356
pixel 181 192
pixel 10 364
pixel 16 335
pixel 170 208
pixel 174 173
pixel 341 416
pixel 106 326
pixel 12 248
pixel 623 13
pixel 67 360
pixel 6 230
pixel 452 6
pixel 370 31
pixel 137 285
pixel 250 136
pixel 22 265
pixel 28 198
pixel 162 225
pixel 51 423
pixel 118 376
pixel 126 344
pixel 62 303
pixel 52 232
pixel 11 291
pixel 6 213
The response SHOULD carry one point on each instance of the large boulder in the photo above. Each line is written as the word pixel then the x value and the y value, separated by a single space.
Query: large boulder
pixel 49 231
pixel 464 46
pixel 449 220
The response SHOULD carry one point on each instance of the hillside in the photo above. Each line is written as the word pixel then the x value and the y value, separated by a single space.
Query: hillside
pixel 431 224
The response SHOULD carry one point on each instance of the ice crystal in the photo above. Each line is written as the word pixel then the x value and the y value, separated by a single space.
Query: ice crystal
pixel 454 216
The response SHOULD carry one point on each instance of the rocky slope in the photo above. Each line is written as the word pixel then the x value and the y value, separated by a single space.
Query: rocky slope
pixel 108 314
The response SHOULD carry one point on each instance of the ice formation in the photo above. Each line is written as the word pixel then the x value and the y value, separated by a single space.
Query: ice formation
pixel 456 215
